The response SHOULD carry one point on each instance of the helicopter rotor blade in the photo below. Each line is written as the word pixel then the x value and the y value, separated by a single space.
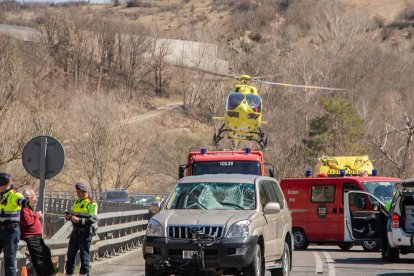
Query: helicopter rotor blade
pixel 223 79
pixel 301 86
pixel 218 118
pixel 258 78
pixel 223 75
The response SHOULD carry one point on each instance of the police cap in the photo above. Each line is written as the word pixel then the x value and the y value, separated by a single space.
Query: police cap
pixel 5 179
pixel 82 187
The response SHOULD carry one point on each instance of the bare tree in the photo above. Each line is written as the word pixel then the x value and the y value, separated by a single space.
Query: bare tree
pixel 130 153
pixel 158 64
pixel 396 145
pixel 136 62
pixel 92 140
pixel 14 117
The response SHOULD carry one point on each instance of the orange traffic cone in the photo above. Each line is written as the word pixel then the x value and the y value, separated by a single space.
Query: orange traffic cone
pixel 24 271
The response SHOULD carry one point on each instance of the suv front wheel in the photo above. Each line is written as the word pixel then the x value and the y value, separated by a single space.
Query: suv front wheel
pixel 285 269
pixel 151 271
pixel 255 268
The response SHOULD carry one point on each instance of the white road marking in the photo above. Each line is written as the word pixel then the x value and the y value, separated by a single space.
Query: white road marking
pixel 331 265
pixel 318 263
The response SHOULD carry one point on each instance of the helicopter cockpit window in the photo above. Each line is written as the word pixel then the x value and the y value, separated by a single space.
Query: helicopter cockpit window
pixel 234 100
pixel 255 102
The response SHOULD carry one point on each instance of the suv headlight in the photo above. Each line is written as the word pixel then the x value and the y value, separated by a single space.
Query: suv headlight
pixel 239 229
pixel 154 229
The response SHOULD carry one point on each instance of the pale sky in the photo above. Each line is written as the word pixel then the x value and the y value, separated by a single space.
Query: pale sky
pixel 61 1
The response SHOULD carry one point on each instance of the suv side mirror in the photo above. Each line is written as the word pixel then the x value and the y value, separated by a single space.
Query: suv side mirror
pixel 155 207
pixel 271 208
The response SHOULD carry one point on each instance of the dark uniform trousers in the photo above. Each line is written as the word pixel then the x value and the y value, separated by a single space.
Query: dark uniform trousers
pixel 40 255
pixel 80 240
pixel 9 239
pixel 381 224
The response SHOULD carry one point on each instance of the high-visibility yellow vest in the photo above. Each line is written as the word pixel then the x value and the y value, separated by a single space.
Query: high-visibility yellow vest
pixel 85 208
pixel 10 206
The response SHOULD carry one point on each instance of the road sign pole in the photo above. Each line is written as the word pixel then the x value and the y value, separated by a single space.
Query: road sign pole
pixel 43 157
pixel 42 172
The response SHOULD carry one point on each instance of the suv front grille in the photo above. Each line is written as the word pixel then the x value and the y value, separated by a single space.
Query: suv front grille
pixel 185 232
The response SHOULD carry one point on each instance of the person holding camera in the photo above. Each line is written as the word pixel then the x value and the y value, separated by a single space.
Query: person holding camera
pixel 83 216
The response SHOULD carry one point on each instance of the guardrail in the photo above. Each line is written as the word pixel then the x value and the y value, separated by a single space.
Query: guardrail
pixel 69 194
pixel 121 227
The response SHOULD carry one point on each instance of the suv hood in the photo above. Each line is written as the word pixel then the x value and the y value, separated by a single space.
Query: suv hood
pixel 202 217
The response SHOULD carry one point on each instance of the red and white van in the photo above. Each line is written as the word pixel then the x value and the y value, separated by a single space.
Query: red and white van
pixel 317 206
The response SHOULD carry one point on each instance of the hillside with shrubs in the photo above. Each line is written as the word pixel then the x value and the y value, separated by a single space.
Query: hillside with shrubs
pixel 90 86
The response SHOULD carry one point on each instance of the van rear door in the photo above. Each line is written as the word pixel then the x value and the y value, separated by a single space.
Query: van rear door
pixel 361 211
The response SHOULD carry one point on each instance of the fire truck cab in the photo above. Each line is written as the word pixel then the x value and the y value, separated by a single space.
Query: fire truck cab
pixel 245 161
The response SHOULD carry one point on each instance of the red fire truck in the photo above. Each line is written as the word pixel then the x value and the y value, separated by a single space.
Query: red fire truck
pixel 317 206
pixel 245 161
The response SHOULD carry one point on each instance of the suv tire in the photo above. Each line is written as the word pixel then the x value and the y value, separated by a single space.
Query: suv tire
pixel 300 240
pixel 150 270
pixel 255 268
pixel 286 263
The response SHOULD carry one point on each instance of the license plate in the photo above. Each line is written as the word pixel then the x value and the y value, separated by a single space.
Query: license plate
pixel 188 254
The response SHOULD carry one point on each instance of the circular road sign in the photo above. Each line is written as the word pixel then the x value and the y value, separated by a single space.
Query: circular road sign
pixel 55 156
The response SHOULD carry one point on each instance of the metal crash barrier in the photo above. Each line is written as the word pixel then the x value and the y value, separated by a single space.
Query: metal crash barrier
pixel 121 228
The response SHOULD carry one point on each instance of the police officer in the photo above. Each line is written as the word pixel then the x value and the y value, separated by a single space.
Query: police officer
pixel 83 215
pixel 381 224
pixel 11 203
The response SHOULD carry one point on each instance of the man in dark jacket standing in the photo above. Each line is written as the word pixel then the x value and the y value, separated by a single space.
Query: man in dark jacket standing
pixel 31 232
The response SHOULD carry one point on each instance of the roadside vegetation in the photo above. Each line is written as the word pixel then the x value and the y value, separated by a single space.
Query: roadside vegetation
pixel 84 79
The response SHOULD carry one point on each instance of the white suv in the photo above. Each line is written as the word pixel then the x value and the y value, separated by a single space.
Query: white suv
pixel 222 223
pixel 401 221
pixel 362 211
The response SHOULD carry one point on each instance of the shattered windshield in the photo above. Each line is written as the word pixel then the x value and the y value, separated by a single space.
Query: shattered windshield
pixel 242 167
pixel 383 190
pixel 213 196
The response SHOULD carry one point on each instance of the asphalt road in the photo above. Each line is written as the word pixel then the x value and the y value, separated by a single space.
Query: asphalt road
pixel 196 55
pixel 316 260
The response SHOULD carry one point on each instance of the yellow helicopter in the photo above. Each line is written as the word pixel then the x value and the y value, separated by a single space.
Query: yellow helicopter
pixel 243 111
